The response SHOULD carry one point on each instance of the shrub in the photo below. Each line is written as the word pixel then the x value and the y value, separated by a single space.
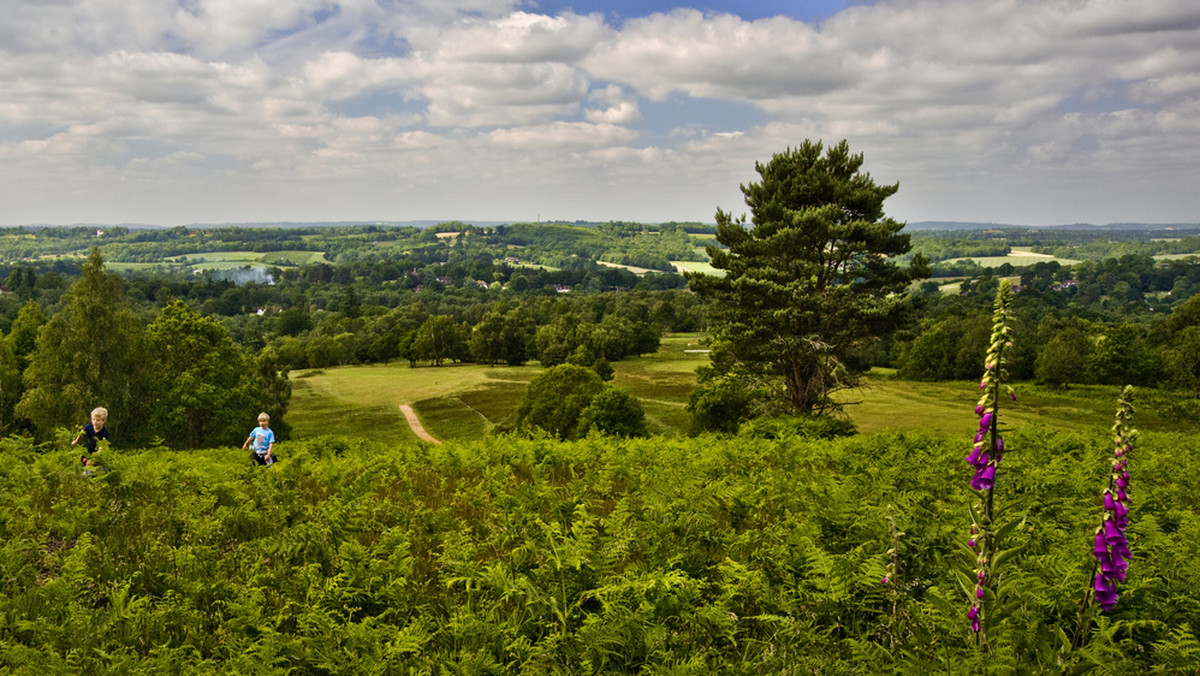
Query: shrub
pixel 613 412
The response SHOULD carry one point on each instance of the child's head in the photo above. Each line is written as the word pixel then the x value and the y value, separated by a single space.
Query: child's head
pixel 264 419
pixel 99 417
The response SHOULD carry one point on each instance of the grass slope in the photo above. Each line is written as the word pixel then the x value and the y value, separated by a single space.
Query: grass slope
pixel 466 401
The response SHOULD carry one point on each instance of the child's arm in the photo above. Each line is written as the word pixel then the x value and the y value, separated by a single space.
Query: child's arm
pixel 247 444
pixel 270 450
pixel 77 436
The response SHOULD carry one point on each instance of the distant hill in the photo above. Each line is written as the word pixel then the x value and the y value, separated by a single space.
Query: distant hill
pixel 278 224
pixel 967 225
pixel 911 226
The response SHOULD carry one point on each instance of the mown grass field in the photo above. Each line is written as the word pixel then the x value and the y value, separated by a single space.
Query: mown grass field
pixel 1019 256
pixel 466 401
pixel 224 260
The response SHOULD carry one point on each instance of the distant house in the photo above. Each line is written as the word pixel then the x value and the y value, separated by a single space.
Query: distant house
pixel 560 288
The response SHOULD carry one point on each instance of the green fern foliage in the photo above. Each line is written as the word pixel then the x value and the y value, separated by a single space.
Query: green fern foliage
pixel 743 555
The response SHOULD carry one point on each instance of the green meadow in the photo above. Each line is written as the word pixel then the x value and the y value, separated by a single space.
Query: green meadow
pixel 1018 256
pixel 225 260
pixel 464 402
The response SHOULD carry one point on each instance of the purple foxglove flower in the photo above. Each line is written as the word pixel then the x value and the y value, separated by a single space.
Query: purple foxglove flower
pixel 1122 482
pixel 973 458
pixel 985 421
pixel 1105 592
pixel 1121 495
pixel 979 592
pixel 1109 502
pixel 1012 395
pixel 983 383
pixel 979 409
pixel 971 543
pixel 1101 546
pixel 1121 549
pixel 884 580
pixel 1120 511
pixel 980 435
pixel 984 479
pixel 1112 534
pixel 975 626
pixel 1107 566
pixel 973 612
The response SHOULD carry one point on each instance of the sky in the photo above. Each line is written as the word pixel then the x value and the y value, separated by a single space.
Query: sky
pixel 173 112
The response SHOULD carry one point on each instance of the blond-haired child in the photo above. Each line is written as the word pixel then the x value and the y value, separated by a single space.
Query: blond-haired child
pixel 263 441
pixel 94 431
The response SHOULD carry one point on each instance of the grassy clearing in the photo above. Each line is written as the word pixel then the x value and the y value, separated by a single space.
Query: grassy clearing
pixel 885 403
pixel 1018 256
pixel 467 401
pixel 632 268
pixel 226 260
pixel 696 266
pixel 1175 257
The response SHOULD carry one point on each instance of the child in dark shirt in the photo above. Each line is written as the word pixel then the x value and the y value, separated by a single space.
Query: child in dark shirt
pixel 94 432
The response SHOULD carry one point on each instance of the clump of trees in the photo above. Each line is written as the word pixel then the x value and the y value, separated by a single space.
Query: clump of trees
pixel 180 379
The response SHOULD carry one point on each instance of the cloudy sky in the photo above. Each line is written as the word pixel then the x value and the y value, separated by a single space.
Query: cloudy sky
pixel 207 111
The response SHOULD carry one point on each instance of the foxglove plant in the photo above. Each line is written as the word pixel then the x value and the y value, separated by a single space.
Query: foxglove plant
pixel 986 453
pixel 1111 549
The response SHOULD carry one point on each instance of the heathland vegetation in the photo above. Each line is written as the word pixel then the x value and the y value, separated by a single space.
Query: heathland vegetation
pixel 763 468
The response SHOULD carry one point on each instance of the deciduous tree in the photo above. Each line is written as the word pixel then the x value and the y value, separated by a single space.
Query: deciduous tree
pixel 90 354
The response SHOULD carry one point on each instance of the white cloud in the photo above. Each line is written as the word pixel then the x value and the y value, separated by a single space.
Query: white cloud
pixel 1005 109
pixel 562 135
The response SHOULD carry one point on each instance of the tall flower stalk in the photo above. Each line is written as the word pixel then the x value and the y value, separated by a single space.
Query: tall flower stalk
pixel 1111 549
pixel 985 456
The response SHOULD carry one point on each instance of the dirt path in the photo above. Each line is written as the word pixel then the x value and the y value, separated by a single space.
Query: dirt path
pixel 415 423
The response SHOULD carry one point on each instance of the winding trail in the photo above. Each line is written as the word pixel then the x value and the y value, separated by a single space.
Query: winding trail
pixel 415 423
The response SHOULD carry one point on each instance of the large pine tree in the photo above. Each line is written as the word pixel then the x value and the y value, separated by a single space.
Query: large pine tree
pixel 813 280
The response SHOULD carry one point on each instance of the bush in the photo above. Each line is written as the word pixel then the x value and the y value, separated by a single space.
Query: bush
pixel 613 412
pixel 555 399
pixel 719 405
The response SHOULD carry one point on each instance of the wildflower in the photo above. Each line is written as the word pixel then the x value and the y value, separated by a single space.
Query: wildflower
pixel 1111 548
pixel 984 478
pixel 1105 591
pixel 988 449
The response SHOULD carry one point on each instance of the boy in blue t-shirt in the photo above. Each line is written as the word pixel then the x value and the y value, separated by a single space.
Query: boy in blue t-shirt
pixel 262 440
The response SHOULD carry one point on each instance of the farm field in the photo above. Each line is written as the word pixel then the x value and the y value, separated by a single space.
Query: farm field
pixel 466 401
pixel 696 266
pixel 225 260
pixel 1018 256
